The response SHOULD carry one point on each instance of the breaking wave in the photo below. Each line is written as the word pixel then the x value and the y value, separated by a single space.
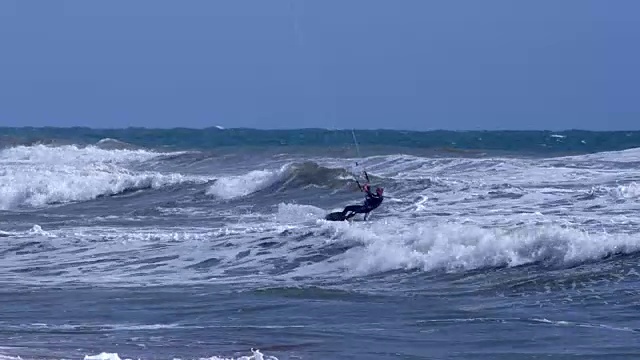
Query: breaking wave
pixel 289 176
pixel 39 175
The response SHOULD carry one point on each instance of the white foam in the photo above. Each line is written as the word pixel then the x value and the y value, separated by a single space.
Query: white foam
pixel 37 230
pixel 370 247
pixel 628 155
pixel 109 143
pixel 495 190
pixel 294 213
pixel 72 154
pixel 44 186
pixel 103 356
pixel 7 357
pixel 389 246
pixel 231 187
pixel 256 355
pixel 629 191
pixel 40 175
pixel 103 260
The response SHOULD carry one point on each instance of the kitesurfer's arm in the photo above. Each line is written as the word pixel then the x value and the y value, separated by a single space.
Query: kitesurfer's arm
pixel 364 187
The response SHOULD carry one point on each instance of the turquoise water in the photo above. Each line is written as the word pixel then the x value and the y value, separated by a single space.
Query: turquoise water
pixel 532 142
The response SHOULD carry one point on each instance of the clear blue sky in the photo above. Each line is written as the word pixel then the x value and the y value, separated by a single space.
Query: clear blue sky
pixel 410 64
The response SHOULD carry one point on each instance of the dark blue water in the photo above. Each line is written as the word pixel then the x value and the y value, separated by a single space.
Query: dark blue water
pixel 164 244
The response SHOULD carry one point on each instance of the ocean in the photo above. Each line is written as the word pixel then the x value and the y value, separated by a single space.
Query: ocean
pixel 212 244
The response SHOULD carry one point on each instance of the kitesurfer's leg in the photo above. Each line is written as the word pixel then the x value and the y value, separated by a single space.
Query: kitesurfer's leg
pixel 352 208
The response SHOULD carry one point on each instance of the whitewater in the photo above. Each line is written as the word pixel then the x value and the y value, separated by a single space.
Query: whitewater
pixel 118 251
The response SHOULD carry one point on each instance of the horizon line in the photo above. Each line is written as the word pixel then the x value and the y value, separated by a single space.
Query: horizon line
pixel 221 128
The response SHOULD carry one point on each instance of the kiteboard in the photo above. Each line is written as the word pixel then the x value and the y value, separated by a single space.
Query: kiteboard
pixel 335 216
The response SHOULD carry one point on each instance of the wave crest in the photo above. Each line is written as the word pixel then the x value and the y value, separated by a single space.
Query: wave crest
pixel 40 175
pixel 389 246
pixel 289 176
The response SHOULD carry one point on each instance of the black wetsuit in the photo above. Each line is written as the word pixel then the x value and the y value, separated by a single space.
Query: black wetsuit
pixel 371 202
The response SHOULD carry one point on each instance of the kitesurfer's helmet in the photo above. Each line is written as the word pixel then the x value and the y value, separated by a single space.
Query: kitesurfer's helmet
pixel 379 191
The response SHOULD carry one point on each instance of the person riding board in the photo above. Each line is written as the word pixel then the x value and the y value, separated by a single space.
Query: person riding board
pixel 371 202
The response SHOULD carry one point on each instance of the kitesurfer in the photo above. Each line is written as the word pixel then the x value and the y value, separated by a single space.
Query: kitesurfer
pixel 371 202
